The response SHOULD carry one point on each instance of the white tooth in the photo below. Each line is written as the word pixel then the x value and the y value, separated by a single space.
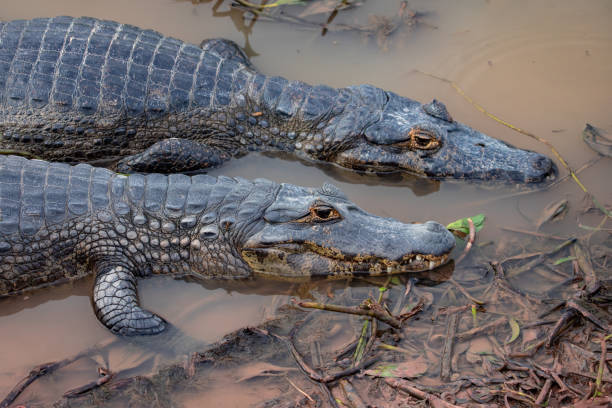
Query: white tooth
pixel 419 258
pixel 389 269
pixel 411 260
pixel 432 265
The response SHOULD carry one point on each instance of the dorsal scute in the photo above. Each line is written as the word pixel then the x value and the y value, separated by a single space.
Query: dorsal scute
pixel 331 190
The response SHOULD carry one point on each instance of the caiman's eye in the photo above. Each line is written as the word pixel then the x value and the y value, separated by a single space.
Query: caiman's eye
pixel 420 139
pixel 320 213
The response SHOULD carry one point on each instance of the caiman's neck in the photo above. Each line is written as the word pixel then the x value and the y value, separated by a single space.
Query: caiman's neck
pixel 272 114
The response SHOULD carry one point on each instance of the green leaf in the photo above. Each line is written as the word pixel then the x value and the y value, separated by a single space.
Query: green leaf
pixel 286 3
pixel 463 226
pixel 562 260
pixel 516 330
pixel 382 371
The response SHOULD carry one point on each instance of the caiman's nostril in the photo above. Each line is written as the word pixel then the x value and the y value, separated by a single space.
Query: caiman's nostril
pixel 433 226
pixel 541 163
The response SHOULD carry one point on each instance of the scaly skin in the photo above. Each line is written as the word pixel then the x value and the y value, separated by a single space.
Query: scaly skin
pixel 62 222
pixel 81 89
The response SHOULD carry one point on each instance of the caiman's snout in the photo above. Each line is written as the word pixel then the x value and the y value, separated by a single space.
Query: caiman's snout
pixel 435 227
pixel 436 239
pixel 539 167
pixel 397 240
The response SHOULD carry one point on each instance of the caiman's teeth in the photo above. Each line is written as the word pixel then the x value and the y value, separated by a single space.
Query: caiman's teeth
pixel 432 265
pixel 419 258
pixel 389 269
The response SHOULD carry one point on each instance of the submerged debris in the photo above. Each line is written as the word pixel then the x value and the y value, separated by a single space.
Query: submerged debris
pixel 553 212
pixel 532 332
pixel 321 15
pixel 596 140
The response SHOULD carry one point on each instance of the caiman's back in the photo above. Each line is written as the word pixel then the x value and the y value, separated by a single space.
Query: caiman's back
pixel 98 84
pixel 59 221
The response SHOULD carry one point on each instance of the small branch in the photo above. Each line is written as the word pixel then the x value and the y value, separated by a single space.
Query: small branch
pixel 300 390
pixel 366 309
pixel 582 307
pixel 566 316
pixel 348 348
pixel 351 394
pixel 535 234
pixel 404 386
pixel 414 311
pixel 470 242
pixel 447 351
pixel 36 372
pixel 476 331
pixel 600 370
pixel 533 263
pixel 544 392
pixel 350 371
pixel 106 376
pixel 48 368
pixel 313 374
pixel 465 292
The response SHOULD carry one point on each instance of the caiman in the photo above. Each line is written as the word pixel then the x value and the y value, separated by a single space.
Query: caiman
pixel 61 222
pixel 87 90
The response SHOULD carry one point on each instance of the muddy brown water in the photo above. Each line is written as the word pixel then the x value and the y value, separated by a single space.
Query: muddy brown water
pixel 544 66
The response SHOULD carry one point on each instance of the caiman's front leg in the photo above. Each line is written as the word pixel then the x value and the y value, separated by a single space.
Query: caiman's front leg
pixel 173 156
pixel 116 303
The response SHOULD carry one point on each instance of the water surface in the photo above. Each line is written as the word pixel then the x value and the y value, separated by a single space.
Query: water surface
pixel 543 66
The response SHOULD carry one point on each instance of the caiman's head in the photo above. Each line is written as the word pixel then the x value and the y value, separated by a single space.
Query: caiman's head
pixel 383 132
pixel 307 232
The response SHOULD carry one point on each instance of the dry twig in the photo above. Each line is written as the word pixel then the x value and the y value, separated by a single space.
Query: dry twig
pixel 49 368
pixel 371 309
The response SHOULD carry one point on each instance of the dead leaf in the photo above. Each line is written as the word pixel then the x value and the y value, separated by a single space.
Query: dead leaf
pixel 600 402
pixel 553 211
pixel 595 139
pixel 260 369
pixel 408 369
pixel 516 330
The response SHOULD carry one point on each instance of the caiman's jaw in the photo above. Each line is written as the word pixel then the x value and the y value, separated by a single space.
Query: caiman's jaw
pixel 291 261
pixel 424 139
pixel 310 233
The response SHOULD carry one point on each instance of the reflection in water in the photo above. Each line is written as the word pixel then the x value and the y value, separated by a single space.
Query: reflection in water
pixel 239 18
pixel 200 314
pixel 419 185
pixel 38 297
